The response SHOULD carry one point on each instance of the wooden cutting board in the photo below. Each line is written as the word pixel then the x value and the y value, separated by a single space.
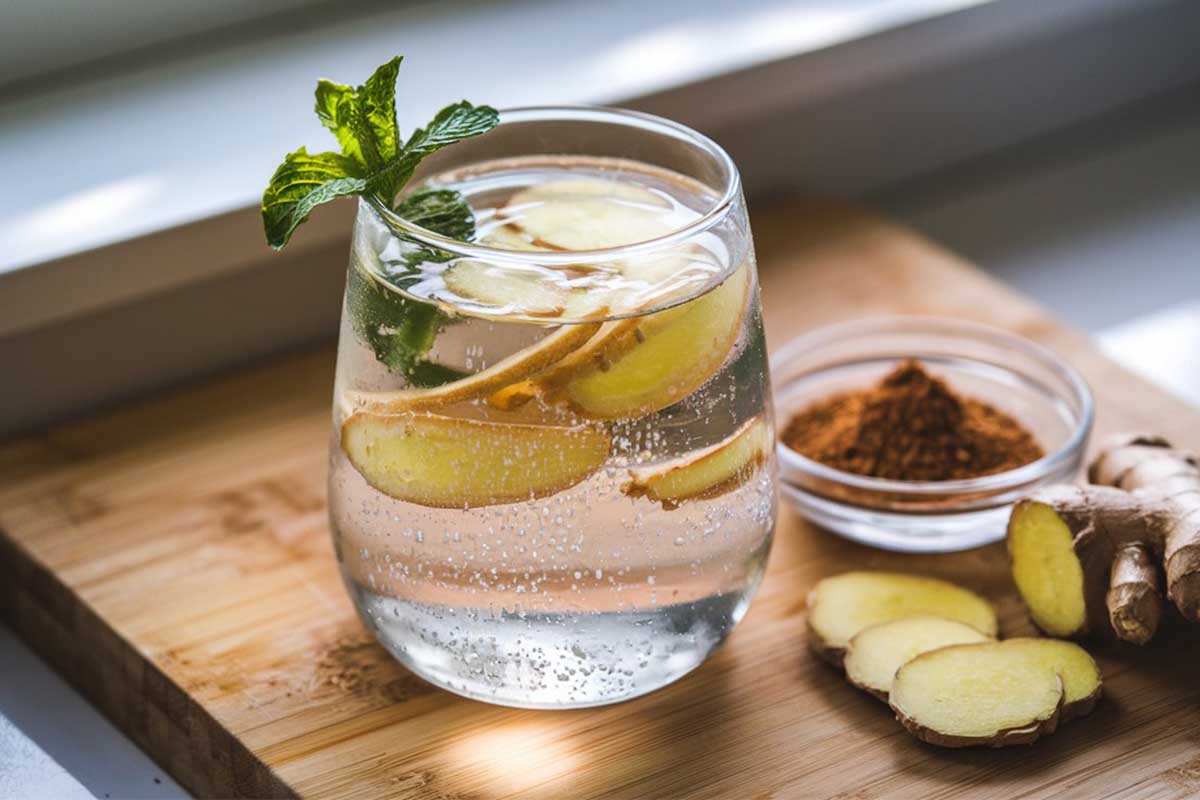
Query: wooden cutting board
pixel 172 560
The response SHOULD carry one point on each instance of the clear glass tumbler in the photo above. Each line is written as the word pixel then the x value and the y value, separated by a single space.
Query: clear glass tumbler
pixel 552 477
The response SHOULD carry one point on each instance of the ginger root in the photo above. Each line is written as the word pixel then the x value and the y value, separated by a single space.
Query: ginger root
pixel 1087 559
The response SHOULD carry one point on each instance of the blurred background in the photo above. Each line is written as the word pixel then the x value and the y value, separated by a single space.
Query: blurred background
pixel 1056 145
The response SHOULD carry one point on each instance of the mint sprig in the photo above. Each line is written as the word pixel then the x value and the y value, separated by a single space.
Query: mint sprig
pixel 374 159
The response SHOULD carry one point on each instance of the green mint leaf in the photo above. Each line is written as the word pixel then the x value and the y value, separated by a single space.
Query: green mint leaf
pixel 374 158
pixel 400 331
pixel 452 124
pixel 428 373
pixel 301 183
pixel 377 101
pixel 443 211
pixel 397 330
pixel 363 119
pixel 337 110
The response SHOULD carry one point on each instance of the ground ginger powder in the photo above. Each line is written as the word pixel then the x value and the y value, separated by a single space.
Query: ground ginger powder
pixel 911 426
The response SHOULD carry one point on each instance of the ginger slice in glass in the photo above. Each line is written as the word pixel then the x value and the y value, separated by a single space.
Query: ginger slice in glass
pixel 587 214
pixel 639 365
pixel 598 214
pixel 706 473
pixel 510 370
pixel 612 338
pixel 507 289
pixel 448 462
pixel 672 353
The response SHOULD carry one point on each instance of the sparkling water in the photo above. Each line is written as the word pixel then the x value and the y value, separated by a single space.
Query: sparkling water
pixel 592 593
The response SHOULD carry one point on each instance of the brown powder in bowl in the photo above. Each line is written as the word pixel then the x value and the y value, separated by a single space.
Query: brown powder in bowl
pixel 911 426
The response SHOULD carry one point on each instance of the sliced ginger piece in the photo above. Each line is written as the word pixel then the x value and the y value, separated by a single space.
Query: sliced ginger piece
pixel 875 653
pixel 1076 668
pixel 613 339
pixel 672 354
pixel 995 693
pixel 977 694
pixel 634 366
pixel 587 214
pixel 598 214
pixel 507 237
pixel 549 293
pixel 448 462
pixel 707 473
pixel 841 606
pixel 507 371
pixel 507 289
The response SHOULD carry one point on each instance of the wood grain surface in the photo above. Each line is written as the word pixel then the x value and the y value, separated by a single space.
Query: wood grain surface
pixel 173 561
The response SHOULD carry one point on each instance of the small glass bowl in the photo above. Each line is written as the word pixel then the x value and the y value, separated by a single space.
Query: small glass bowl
pixel 1013 374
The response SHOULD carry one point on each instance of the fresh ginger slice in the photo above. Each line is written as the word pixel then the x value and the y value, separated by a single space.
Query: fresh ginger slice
pixel 691 366
pixel 635 366
pixel 1075 667
pixel 1046 570
pixel 706 473
pixel 994 693
pixel 507 237
pixel 841 606
pixel 875 653
pixel 596 214
pixel 587 214
pixel 448 462
pixel 507 289
pixel 613 339
pixel 505 372
pixel 674 353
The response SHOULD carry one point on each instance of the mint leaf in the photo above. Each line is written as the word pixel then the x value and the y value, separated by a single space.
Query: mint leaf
pixel 377 104
pixel 373 158
pixel 302 183
pixel 398 330
pixel 337 110
pixel 453 123
pixel 363 119
pixel 443 211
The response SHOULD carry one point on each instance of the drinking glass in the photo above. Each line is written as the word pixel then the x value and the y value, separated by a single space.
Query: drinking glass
pixel 552 477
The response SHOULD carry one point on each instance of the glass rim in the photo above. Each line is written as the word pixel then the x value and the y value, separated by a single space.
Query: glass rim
pixel 650 123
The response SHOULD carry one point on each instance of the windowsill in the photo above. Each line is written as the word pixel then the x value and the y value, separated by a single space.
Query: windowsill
pixel 191 142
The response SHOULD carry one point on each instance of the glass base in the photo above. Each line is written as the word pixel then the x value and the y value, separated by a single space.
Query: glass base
pixel 550 661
